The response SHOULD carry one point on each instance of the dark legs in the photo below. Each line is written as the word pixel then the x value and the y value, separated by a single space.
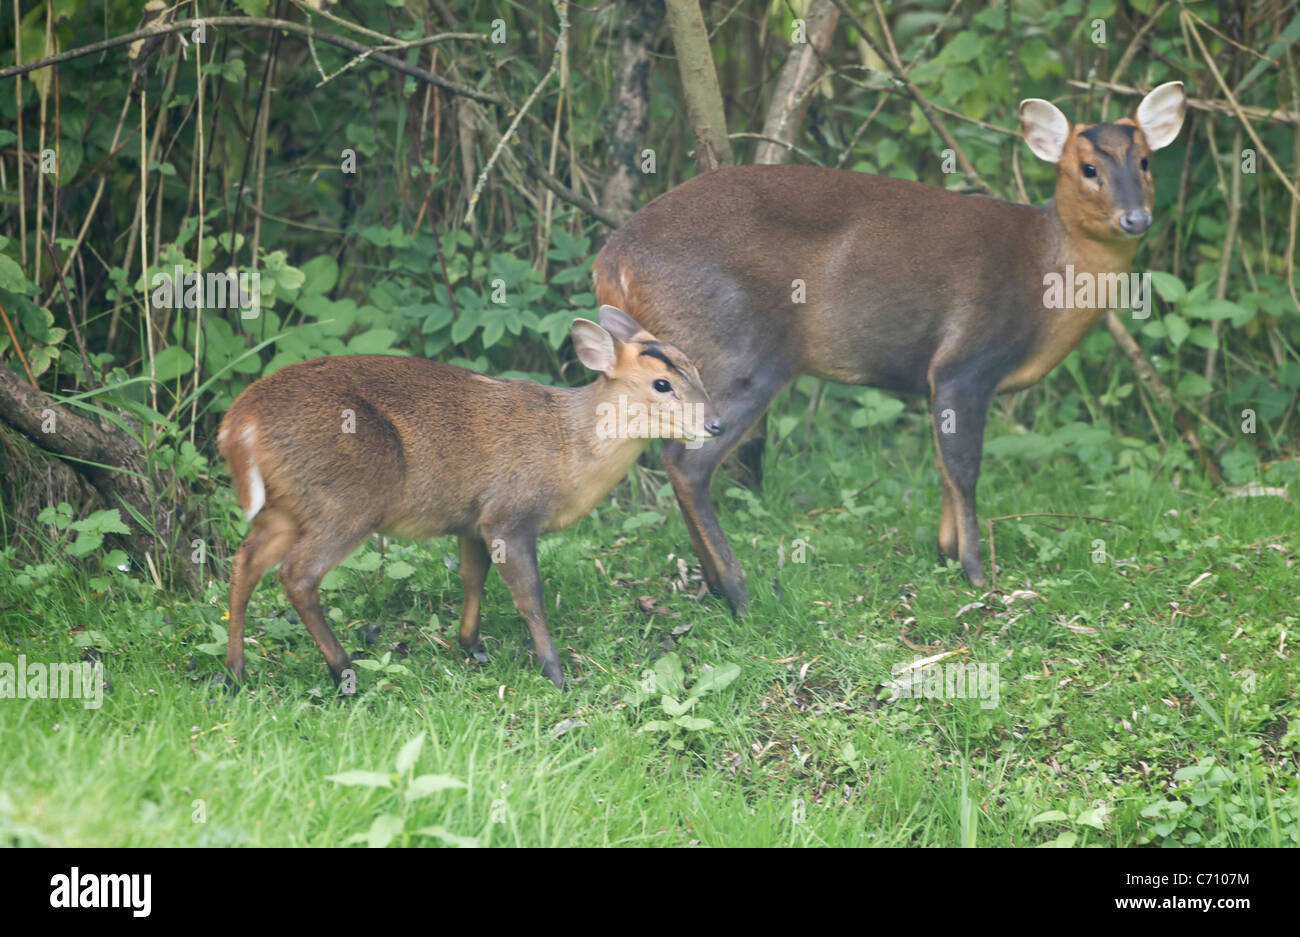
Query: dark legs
pixel 305 556
pixel 691 470
pixel 750 453
pixel 474 565
pixel 270 538
pixel 958 412
pixel 313 555
pixel 519 570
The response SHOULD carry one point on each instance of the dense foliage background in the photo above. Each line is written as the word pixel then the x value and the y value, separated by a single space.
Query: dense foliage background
pixel 250 135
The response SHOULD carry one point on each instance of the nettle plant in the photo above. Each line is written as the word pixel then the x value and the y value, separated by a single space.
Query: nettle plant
pixel 667 682
pixel 404 788
pixel 41 338
pixel 80 540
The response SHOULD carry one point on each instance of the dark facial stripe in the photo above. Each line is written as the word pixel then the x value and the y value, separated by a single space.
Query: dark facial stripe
pixel 652 349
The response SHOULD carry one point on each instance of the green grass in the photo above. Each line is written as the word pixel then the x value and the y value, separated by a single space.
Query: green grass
pixel 1137 705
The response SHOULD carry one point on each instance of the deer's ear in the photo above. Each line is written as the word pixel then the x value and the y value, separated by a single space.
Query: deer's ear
pixel 1160 114
pixel 1045 128
pixel 595 346
pixel 622 326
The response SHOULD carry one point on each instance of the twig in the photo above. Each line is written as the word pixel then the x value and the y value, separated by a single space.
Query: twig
pixel 1236 108
pixel 1141 366
pixel 784 144
pixel 514 124
pixel 94 202
pixel 1128 55
pixel 1200 104
pixel 198 239
pixel 576 199
pixel 22 185
pixel 900 75
pixel 31 378
pixel 1225 258
pixel 144 243
pixel 72 317
pixel 259 22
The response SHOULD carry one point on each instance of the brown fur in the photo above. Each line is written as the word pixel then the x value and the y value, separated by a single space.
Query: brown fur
pixel 909 287
pixel 435 450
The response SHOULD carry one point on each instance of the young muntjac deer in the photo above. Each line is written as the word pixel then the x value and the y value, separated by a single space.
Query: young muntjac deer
pixel 762 273
pixel 327 452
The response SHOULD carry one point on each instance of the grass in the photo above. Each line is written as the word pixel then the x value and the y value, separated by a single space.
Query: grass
pixel 1140 700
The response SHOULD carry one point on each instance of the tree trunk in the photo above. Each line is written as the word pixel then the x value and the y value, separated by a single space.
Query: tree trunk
pixel 623 174
pixel 699 84
pixel 110 461
pixel 794 86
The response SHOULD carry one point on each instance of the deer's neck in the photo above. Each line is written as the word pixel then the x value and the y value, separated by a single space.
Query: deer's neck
pixel 595 427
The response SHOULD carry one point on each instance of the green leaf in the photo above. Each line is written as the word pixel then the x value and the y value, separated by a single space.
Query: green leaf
pixel 570 275
pixel 1065 841
pixel 1050 816
pixel 668 671
pixel 1221 309
pixel 1272 54
pixel 88 541
pixel 361 778
pixel 674 708
pixel 715 679
pixel 435 318
pixel 382 832
pixel 365 561
pixel 1176 328
pixel 1193 772
pixel 464 327
pixel 1095 818
pixel 373 342
pixel 289 278
pixel 172 362
pixel 1162 808
pixel 12 279
pixel 958 81
pixel 399 570
pixel 1033 55
pixel 1193 385
pixel 961 48
pixel 319 275
pixel 1203 336
pixel 1168 286
pixel 427 784
pixel 406 758
pixel 107 521
pixel 451 839
pixel 694 723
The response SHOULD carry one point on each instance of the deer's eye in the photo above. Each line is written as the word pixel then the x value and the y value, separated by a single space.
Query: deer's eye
pixel 1089 171
pixel 1144 164
pixel 662 386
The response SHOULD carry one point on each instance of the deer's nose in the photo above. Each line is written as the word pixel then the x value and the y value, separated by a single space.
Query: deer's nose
pixel 714 427
pixel 1135 221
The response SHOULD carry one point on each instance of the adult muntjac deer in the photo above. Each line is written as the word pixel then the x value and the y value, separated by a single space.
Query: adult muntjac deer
pixel 904 286
pixel 327 452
